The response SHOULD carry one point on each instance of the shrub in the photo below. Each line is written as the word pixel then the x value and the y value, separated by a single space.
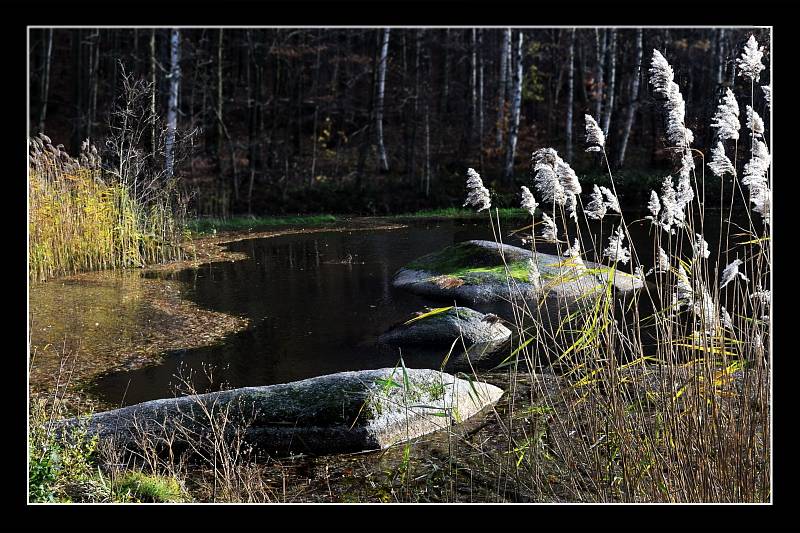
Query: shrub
pixel 140 487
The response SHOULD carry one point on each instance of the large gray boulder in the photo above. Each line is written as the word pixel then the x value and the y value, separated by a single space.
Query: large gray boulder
pixel 474 272
pixel 442 328
pixel 344 412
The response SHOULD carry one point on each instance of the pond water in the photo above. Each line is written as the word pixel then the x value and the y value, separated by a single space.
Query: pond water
pixel 316 302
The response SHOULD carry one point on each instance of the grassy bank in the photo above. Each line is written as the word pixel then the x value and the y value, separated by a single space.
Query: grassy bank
pixel 457 212
pixel 210 226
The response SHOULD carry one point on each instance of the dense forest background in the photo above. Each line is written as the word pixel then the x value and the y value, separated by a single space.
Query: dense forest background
pixel 376 120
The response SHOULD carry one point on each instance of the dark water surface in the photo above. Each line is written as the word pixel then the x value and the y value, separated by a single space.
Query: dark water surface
pixel 317 303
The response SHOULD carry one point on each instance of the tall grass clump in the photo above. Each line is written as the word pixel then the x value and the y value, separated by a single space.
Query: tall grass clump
pixel 664 391
pixel 112 209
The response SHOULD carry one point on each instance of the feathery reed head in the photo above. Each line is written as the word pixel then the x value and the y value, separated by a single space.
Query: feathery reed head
pixel 549 230
pixel 654 206
pixel 555 180
pixel 594 135
pixel 684 293
pixel 731 272
pixel 596 208
pixel 720 164
pixel 534 276
pixel 612 202
pixel 528 201
pixel 750 65
pixel 616 250
pixel 755 178
pixel 755 123
pixel 662 80
pixel 726 117
pixel 478 195
pixel 700 247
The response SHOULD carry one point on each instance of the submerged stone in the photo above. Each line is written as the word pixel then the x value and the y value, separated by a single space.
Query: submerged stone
pixel 343 412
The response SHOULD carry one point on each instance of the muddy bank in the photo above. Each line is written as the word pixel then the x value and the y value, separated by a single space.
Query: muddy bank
pixel 97 322
pixel 209 249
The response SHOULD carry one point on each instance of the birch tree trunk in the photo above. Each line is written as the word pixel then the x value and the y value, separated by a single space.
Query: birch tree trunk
pixel 384 162
pixel 516 103
pixel 172 107
pixel 612 74
pixel 501 86
pixel 634 103
pixel 47 53
pixel 570 92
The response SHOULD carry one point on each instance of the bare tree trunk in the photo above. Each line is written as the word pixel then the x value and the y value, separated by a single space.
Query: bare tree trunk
pixel 94 64
pixel 516 103
pixel 172 107
pixel 446 75
pixel 383 160
pixel 612 74
pixel 427 145
pixel 316 113
pixel 152 140
pixel 412 150
pixel 720 55
pixel 480 97
pixel 367 135
pixel 78 120
pixel 253 103
pixel 634 103
pixel 501 86
pixel 570 92
pixel 473 85
pixel 134 56
pixel 47 54
pixel 582 71
pixel 219 108
pixel 600 52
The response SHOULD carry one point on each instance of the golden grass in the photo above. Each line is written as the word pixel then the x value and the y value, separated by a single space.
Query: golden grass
pixel 79 221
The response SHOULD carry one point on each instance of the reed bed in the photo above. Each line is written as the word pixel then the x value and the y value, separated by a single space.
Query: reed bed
pixel 81 218
pixel 664 395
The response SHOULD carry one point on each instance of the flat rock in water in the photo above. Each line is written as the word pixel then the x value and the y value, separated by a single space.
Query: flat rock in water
pixel 477 272
pixel 336 413
pixel 446 325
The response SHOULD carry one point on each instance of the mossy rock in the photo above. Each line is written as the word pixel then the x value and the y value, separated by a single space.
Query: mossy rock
pixel 476 272
pixel 441 327
pixel 343 412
